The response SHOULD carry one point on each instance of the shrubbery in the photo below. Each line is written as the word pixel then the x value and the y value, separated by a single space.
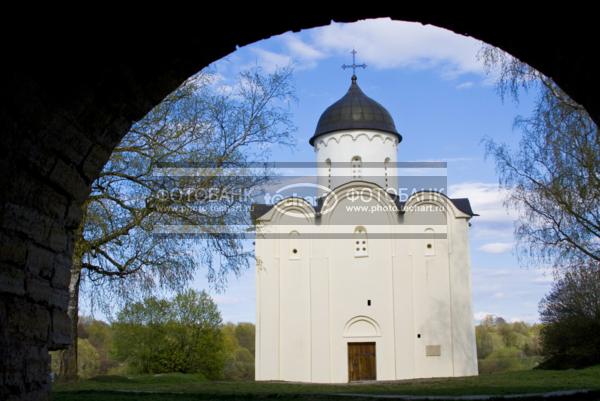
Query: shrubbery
pixel 571 317
pixel 184 334
pixel 503 346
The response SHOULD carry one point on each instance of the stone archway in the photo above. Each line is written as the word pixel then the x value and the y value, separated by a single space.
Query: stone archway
pixel 70 93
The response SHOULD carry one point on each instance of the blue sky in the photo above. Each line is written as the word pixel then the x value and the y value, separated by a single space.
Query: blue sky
pixel 443 104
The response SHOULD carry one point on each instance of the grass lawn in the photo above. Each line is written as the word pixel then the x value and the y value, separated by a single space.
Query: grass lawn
pixel 180 387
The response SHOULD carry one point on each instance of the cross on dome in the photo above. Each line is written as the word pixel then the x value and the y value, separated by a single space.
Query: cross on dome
pixel 354 66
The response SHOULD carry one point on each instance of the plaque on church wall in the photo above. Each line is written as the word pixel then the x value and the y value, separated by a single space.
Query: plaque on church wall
pixel 433 350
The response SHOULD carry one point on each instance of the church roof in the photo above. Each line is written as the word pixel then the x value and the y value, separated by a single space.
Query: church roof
pixel 355 110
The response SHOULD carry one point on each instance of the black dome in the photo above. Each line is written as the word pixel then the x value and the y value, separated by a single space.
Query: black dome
pixel 355 111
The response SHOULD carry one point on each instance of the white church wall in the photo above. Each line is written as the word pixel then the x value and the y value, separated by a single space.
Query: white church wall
pixel 320 318
pixel 295 332
pixel 306 300
pixel 369 145
pixel 435 321
pixel 268 324
pixel 404 315
pixel 295 297
pixel 433 312
pixel 355 280
pixel 463 330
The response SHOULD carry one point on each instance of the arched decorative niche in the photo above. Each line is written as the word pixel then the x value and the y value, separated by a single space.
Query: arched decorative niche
pixel 429 242
pixel 294 251
pixel 362 326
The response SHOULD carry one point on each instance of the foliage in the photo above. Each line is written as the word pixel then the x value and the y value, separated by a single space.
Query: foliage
pixel 94 347
pixel 100 357
pixel 239 340
pixel 99 335
pixel 503 346
pixel 178 335
pixel 571 317
pixel 245 334
pixel 88 360
pixel 553 177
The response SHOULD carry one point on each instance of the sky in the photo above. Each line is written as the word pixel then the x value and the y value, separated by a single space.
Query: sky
pixel 443 104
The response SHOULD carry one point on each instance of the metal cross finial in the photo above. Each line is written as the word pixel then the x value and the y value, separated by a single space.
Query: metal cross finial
pixel 354 66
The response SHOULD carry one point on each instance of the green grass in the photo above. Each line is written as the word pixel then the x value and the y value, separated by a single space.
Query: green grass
pixel 168 387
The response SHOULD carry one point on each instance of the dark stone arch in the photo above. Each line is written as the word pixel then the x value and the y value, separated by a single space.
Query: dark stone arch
pixel 70 93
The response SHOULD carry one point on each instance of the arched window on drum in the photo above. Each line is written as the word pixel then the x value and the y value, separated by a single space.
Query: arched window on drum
pixel 386 172
pixel 356 167
pixel 328 167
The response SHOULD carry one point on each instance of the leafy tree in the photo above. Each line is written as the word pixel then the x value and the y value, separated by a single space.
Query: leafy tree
pixel 245 334
pixel 503 346
pixel 571 317
pixel 178 335
pixel 504 360
pixel 99 336
pixel 533 345
pixel 240 365
pixel 230 340
pixel 553 176
pixel 239 346
pixel 88 360
pixel 117 255
pixel 508 334
pixel 485 342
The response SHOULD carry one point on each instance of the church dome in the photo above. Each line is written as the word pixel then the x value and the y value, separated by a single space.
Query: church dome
pixel 355 111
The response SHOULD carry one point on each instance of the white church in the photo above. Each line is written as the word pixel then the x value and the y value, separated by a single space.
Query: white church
pixel 362 285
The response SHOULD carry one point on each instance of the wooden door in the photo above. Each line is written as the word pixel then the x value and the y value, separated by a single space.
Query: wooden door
pixel 361 361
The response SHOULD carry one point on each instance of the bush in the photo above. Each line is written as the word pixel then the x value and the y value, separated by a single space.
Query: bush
pixel 240 365
pixel 503 347
pixel 179 335
pixel 239 350
pixel 571 317
pixel 88 359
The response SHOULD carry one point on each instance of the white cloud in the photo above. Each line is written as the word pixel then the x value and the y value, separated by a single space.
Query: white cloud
pixel 486 199
pixel 383 43
pixel 493 229
pixel 301 51
pixel 496 247
pixel 294 52
pixel 271 61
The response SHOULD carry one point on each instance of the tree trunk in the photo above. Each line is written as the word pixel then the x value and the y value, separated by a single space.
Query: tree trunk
pixel 68 357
